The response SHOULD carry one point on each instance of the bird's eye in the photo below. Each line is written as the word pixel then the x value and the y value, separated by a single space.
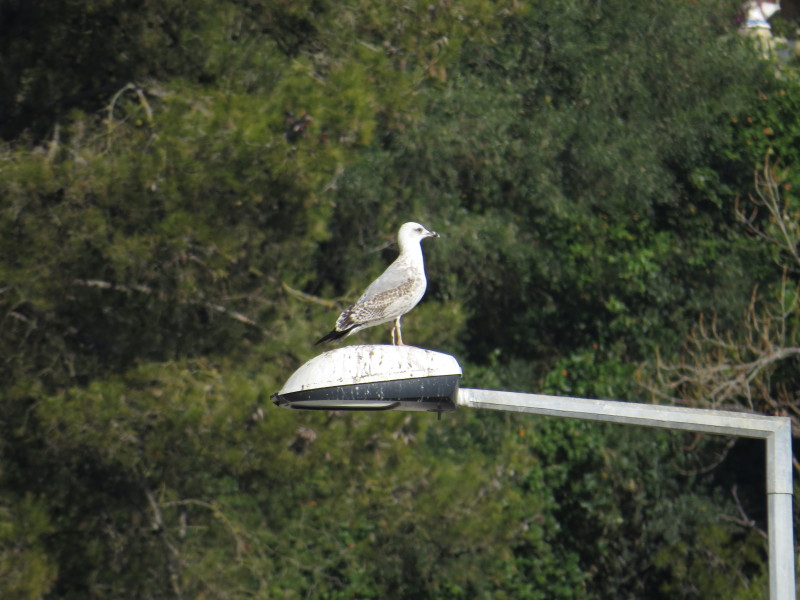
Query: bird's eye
pixel 419 229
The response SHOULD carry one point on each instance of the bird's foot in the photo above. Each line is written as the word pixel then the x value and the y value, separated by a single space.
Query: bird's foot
pixel 397 338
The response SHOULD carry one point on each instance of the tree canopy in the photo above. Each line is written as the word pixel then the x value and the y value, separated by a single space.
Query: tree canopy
pixel 190 191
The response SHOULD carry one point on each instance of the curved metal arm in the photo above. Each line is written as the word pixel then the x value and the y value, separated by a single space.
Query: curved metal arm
pixel 777 431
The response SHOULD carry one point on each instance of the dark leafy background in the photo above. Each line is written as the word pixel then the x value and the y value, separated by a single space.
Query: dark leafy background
pixel 189 193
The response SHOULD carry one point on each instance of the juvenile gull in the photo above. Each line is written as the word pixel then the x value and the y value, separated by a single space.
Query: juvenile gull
pixel 393 294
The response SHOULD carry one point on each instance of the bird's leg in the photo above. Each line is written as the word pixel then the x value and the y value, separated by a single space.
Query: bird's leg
pixel 397 337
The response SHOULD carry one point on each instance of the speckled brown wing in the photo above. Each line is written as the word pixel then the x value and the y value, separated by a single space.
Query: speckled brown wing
pixel 381 306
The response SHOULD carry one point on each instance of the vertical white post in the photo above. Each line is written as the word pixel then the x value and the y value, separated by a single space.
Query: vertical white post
pixel 779 494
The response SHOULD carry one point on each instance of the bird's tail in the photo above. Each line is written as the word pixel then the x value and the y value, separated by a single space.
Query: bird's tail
pixel 333 335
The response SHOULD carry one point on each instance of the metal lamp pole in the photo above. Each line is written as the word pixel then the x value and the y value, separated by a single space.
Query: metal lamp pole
pixel 777 431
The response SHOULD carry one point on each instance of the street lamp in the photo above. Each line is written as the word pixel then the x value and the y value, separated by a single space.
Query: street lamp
pixel 374 378
pixel 409 378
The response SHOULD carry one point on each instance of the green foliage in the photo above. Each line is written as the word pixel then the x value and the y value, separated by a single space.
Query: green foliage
pixel 26 570
pixel 575 205
pixel 734 566
pixel 190 191
pixel 770 130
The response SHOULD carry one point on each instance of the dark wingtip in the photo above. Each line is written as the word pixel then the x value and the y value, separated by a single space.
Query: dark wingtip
pixel 333 335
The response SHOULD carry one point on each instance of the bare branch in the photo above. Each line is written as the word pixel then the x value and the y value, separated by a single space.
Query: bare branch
pixel 744 520
pixel 240 543
pixel 143 289
pixel 139 94
pixel 307 297
pixel 783 231
pixel 232 314
pixel 285 286
pixel 170 552
pixel 735 369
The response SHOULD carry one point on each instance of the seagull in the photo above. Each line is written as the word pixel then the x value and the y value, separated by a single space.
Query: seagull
pixel 393 294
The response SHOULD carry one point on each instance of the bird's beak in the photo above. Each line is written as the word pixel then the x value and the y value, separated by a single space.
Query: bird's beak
pixel 433 234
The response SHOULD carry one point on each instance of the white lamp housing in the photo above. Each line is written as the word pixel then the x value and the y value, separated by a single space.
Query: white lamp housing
pixel 374 377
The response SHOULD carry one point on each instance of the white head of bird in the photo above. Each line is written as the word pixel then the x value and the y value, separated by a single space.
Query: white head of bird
pixel 410 235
